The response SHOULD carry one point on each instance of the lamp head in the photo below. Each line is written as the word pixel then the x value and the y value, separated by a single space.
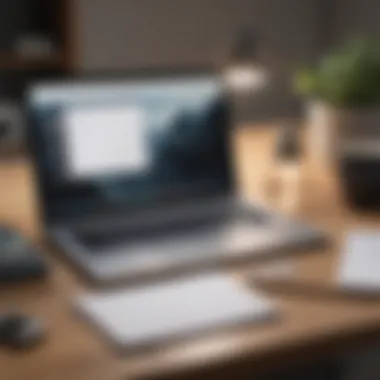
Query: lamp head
pixel 243 73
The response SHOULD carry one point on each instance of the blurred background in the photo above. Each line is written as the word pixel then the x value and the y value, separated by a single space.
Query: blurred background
pixel 42 39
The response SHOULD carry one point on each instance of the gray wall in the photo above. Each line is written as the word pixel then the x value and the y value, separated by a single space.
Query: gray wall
pixel 355 18
pixel 120 34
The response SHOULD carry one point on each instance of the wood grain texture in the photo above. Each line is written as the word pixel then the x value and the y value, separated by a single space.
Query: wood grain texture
pixel 312 323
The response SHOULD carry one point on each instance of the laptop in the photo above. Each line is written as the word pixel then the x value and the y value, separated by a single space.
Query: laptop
pixel 135 179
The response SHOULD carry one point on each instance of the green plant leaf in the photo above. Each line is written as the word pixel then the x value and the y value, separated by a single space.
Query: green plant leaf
pixel 348 77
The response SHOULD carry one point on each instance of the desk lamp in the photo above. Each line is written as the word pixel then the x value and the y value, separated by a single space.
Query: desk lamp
pixel 242 72
pixel 243 75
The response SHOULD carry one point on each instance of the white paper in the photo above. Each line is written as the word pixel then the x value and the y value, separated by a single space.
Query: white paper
pixel 360 261
pixel 152 314
pixel 105 140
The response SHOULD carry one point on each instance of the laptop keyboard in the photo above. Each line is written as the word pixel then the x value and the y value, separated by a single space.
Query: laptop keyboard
pixel 101 239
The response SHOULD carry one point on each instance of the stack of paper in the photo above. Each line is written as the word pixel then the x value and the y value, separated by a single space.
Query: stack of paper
pixel 153 314
pixel 360 262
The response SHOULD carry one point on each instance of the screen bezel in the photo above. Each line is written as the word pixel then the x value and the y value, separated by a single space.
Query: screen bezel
pixel 96 208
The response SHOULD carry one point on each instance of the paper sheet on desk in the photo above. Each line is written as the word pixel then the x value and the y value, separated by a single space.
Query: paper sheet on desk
pixel 150 315
pixel 359 268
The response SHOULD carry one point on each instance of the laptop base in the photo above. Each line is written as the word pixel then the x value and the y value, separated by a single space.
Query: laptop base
pixel 191 239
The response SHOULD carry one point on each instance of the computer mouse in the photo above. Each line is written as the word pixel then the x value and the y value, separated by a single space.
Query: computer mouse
pixel 20 332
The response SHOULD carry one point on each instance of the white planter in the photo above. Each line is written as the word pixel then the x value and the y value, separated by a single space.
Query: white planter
pixel 331 130
pixel 322 133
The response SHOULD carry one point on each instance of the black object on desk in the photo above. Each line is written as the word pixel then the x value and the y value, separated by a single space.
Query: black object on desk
pixel 288 147
pixel 20 332
pixel 360 180
pixel 19 260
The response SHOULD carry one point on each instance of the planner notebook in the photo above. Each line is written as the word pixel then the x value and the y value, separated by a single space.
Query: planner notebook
pixel 150 315
pixel 359 269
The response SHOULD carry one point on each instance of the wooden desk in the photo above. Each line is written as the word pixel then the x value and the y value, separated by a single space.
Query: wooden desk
pixel 311 325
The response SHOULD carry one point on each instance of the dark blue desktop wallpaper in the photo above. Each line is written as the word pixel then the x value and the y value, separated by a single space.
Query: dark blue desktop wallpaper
pixel 188 137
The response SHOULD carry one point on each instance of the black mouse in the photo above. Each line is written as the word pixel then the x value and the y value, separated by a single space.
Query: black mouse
pixel 20 332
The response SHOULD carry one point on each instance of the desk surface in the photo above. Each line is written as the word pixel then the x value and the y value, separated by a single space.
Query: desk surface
pixel 314 321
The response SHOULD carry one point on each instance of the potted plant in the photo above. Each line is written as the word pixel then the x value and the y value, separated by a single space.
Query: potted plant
pixel 344 98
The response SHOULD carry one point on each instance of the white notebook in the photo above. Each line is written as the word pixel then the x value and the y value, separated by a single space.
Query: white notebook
pixel 359 268
pixel 155 314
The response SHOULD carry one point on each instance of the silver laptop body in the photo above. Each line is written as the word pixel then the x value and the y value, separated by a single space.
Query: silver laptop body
pixel 166 208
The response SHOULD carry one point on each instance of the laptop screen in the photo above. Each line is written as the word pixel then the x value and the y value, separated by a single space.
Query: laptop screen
pixel 128 143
